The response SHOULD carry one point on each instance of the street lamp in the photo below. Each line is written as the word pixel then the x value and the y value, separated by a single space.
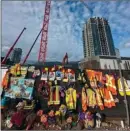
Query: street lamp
pixel 123 85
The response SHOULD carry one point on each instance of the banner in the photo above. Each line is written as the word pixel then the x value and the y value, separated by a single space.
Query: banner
pixel 20 88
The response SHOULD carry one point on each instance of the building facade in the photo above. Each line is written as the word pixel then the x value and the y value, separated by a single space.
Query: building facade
pixel 97 38
pixel 104 63
pixel 16 55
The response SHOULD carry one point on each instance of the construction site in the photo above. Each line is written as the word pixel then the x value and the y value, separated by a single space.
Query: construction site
pixel 89 94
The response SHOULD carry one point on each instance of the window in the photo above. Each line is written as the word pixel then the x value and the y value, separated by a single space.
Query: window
pixel 128 64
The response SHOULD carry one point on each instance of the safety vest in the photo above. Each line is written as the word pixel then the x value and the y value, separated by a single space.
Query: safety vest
pixel 71 98
pixel 94 74
pixel 84 99
pixel 108 98
pixel 99 99
pixel 54 98
pixel 110 83
pixel 90 73
pixel 13 70
pixel 23 71
pixel 91 98
pixel 5 80
pixel 127 88
pixel 16 70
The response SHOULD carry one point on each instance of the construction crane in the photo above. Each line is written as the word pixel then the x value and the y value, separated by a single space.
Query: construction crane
pixel 91 11
pixel 65 59
pixel 32 47
pixel 44 37
pixel 12 47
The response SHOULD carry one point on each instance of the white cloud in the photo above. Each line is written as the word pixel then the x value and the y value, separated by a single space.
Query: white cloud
pixel 125 45
pixel 65 26
pixel 5 48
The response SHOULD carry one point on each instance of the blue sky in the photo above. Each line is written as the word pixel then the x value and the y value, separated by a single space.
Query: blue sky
pixel 65 27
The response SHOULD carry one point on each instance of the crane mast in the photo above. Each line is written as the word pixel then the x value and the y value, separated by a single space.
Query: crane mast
pixel 12 47
pixel 31 48
pixel 44 37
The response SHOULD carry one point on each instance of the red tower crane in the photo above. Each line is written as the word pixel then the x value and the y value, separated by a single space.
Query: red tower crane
pixel 65 59
pixel 12 47
pixel 31 47
pixel 44 37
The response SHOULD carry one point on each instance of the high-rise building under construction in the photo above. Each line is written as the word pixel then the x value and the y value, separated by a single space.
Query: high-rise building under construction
pixel 97 38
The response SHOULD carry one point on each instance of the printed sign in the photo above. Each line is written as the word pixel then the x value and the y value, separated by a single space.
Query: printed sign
pixel 44 74
pixel 20 88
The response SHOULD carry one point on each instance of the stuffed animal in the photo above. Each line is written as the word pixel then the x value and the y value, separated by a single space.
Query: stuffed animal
pixel 38 125
pixel 89 120
pixel 63 110
pixel 8 123
pixel 44 121
pixel 30 120
pixel 58 117
pixel 52 121
pixel 68 124
pixel 80 122
pixel 17 119
pixel 51 117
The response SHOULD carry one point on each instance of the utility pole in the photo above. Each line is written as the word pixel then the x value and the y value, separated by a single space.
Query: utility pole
pixel 123 85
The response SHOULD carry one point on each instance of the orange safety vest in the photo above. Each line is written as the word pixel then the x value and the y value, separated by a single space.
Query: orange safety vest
pixel 18 69
pixel 94 74
pixel 84 99
pixel 110 83
pixel 127 88
pixel 5 80
pixel 15 70
pixel 108 98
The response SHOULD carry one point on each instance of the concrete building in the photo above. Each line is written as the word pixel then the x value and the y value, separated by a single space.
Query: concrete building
pixel 104 63
pixel 97 38
pixel 16 55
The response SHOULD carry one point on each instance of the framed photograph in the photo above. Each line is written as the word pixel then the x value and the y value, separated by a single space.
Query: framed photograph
pixel 52 76
pixel 44 76
pixel 71 77
pixel 58 75
pixel 20 88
